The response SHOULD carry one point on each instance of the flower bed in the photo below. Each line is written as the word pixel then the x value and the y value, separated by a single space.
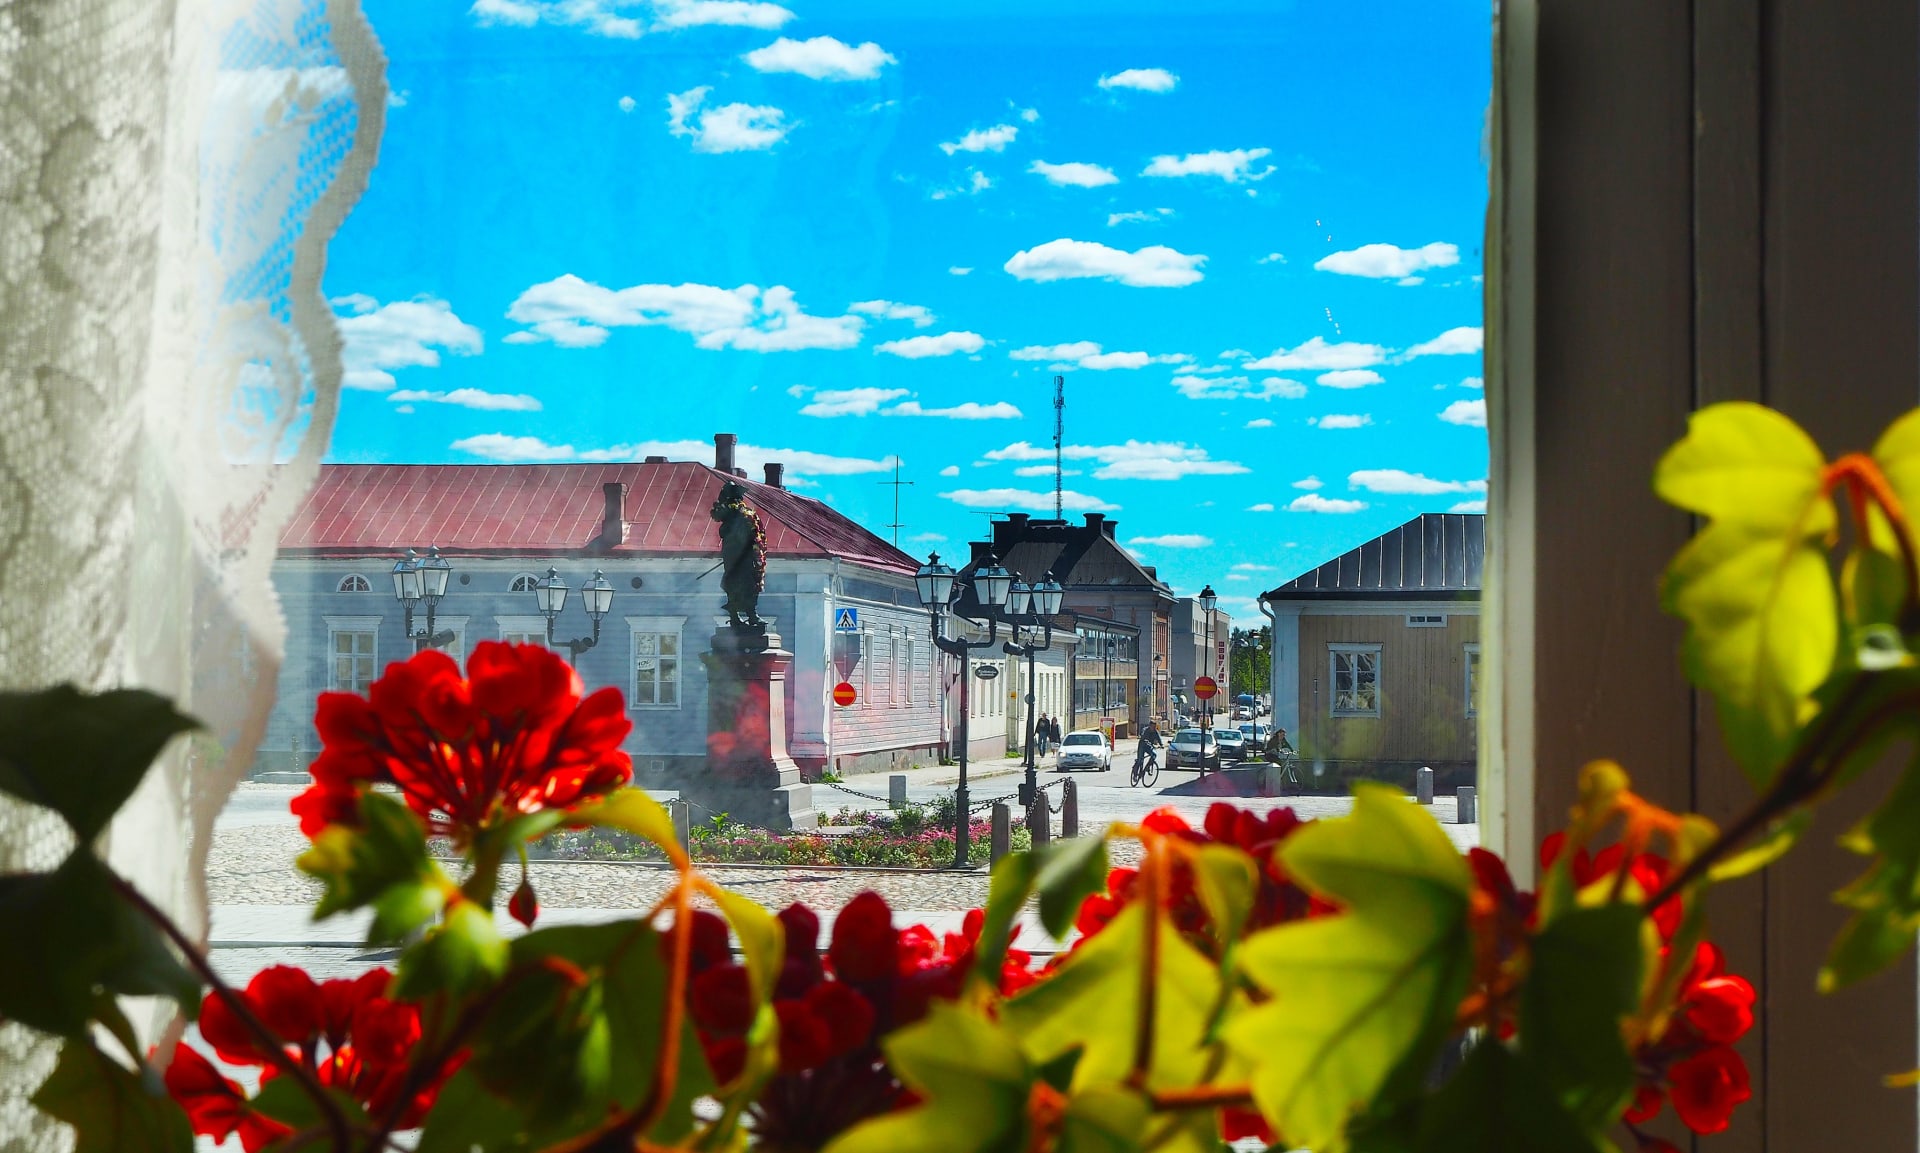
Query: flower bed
pixel 911 838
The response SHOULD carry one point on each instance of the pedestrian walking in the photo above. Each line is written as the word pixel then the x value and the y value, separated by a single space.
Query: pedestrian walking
pixel 1053 726
pixel 1041 732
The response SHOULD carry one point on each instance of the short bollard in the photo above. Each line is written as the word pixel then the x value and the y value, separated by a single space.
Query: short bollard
pixel 1001 842
pixel 682 814
pixel 1040 821
pixel 1070 809
pixel 1464 812
pixel 1423 786
pixel 897 791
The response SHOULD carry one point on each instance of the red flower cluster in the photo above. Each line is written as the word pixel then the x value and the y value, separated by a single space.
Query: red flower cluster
pixel 347 1032
pixel 513 736
pixel 1693 1063
pixel 1278 900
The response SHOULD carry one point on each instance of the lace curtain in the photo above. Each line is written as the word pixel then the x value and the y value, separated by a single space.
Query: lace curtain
pixel 170 175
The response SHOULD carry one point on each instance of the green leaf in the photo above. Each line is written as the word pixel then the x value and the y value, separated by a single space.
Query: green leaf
pixel 1092 1003
pixel 1496 1103
pixel 72 938
pixel 1070 871
pixel 286 1102
pixel 1773 844
pixel 111 1108
pixel 1886 898
pixel 975 1082
pixel 463 954
pixel 83 754
pixel 1360 1001
pixel 1107 1119
pixel 1008 888
pixel 362 866
pixel 632 811
pixel 763 942
pixel 1585 979
pixel 1753 586
pixel 1898 454
pixel 1227 881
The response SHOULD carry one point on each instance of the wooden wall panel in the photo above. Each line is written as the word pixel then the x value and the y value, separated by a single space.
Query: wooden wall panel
pixel 1423 683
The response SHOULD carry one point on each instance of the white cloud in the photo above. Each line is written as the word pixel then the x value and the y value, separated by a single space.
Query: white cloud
pixel 1087 354
pixel 377 338
pixel 1249 566
pixel 799 462
pixel 1309 483
pixel 1195 387
pixel 1154 266
pixel 821 58
pixel 1400 481
pixel 1263 506
pixel 1317 353
pixel 850 401
pixel 945 344
pixel 971 410
pixel 1044 470
pixel 473 398
pixel 576 313
pixel 1019 498
pixel 396 98
pixel 1173 540
pixel 1472 413
pixel 1343 420
pixel 1473 382
pixel 628 104
pixel 1030 115
pixel 927 537
pixel 1153 217
pixel 957 270
pixel 1349 378
pixel 993 139
pixel 1389 262
pixel 1470 506
pixel 500 446
pixel 1073 351
pixel 1272 258
pixel 1100 362
pixel 727 127
pixel 976 183
pixel 596 17
pixel 518 13
pixel 1134 460
pixel 1233 167
pixel 733 13
pixel 950 470
pixel 1452 342
pixel 1313 502
pixel 1142 80
pixel 889 310
pixel 1260 422
pixel 1074 174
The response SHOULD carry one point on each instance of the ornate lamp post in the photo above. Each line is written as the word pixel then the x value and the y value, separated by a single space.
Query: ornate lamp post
pixel 596 596
pixel 417 579
pixel 1030 612
pixel 1207 601
pixel 937 585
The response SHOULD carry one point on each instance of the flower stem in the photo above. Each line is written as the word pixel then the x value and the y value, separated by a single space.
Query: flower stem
pixel 1150 878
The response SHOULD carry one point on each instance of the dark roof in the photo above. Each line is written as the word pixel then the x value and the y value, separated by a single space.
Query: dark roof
pixel 499 509
pixel 1080 556
pixel 1436 555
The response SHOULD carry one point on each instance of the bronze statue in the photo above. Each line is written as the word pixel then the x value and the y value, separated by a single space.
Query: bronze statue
pixel 743 557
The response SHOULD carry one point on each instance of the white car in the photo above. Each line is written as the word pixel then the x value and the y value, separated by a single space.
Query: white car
pixel 1085 749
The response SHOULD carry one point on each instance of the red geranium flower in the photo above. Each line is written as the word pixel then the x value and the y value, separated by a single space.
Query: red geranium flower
pixel 216 1106
pixel 514 736
pixel 1706 1087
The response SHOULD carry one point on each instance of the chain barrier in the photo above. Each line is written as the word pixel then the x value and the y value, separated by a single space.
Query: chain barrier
pixel 856 792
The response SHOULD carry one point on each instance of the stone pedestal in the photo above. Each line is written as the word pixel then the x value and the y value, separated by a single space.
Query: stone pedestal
pixel 749 773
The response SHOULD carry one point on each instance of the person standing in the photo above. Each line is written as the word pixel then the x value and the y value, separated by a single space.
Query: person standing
pixel 1041 732
pixel 1054 727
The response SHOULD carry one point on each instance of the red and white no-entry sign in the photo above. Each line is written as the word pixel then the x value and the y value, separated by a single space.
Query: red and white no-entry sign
pixel 843 694
pixel 1206 688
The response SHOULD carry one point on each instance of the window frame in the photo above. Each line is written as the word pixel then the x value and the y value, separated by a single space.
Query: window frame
pixel 340 586
pixel 523 625
pixel 656 626
pixel 338 626
pixel 533 582
pixel 1336 650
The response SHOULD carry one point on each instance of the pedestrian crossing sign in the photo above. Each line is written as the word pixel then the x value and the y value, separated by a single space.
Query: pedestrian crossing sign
pixel 846 620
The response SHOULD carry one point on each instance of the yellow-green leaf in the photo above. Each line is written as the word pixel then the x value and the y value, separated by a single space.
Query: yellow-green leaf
pixel 1360 1001
pixel 631 811
pixel 1773 844
pixel 975 1082
pixel 1754 586
pixel 1886 898
pixel 763 942
pixel 1898 455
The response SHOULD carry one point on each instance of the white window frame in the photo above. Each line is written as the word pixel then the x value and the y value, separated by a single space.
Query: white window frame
pixel 1470 664
pixel 913 655
pixel 529 629
pixel 369 626
pixel 341 585
pixel 675 627
pixel 1426 620
pixel 533 582
pixel 867 658
pixel 1334 653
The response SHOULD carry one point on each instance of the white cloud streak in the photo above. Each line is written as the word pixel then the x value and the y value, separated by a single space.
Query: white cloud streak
pixel 576 313
pixel 1318 354
pixel 1141 80
pixel 1313 502
pixel 800 462
pixel 1389 262
pixel 921 347
pixel 1172 540
pixel 381 338
pixel 726 127
pixel 890 310
pixel 1019 498
pixel 993 139
pixel 821 58
pixel 1401 482
pixel 1134 460
pixel 1074 174
pixel 850 401
pixel 1349 378
pixel 1155 266
pixel 1343 420
pixel 1452 342
pixel 1234 167
pixel 474 398
pixel 1471 413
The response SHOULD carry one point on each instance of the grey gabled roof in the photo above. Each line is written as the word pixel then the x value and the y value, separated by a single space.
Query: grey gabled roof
pixel 1434 555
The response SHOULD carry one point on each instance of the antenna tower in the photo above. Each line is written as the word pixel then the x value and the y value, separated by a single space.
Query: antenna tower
pixel 1059 430
pixel 897 484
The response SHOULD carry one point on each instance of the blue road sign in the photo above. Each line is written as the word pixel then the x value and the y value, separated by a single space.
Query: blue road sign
pixel 846 620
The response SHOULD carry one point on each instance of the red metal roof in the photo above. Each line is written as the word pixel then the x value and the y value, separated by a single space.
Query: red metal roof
pixel 502 509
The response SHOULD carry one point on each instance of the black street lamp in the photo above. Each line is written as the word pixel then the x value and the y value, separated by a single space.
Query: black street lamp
pixel 596 596
pixel 1207 601
pixel 417 579
pixel 937 585
pixel 1029 609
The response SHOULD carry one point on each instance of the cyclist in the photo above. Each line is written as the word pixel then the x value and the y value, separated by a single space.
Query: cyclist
pixel 1144 753
pixel 1280 751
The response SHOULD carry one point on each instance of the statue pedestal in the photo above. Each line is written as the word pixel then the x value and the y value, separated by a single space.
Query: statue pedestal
pixel 749 774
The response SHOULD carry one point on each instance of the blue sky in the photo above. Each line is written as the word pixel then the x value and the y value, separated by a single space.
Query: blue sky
pixel 1247 234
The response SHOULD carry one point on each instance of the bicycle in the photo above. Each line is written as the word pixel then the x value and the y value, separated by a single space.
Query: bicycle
pixel 1287 772
pixel 1146 770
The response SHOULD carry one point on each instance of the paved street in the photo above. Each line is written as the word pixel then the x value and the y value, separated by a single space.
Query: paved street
pixel 261 906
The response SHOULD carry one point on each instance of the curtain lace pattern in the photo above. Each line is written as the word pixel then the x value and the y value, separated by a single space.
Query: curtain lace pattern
pixel 170 176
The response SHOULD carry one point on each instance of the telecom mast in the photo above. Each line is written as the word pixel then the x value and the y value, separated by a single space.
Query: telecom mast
pixel 1059 428
pixel 896 483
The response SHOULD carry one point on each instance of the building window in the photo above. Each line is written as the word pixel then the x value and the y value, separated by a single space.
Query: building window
pixel 656 662
pixel 524 582
pixel 913 656
pixel 1355 674
pixel 1426 620
pixel 353 582
pixel 523 630
pixel 353 659
pixel 1473 680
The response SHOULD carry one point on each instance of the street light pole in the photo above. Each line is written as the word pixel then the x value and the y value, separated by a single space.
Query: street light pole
pixel 936 584
pixel 1030 608
pixel 596 596
pixel 1207 601
pixel 417 579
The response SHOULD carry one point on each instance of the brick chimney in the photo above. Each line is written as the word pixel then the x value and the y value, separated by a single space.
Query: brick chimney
pixel 1095 520
pixel 723 444
pixel 776 474
pixel 656 460
pixel 613 521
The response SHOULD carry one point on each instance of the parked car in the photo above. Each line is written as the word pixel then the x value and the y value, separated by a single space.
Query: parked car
pixel 1195 747
pixel 1085 749
pixel 1232 742
pixel 1243 712
pixel 1256 734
